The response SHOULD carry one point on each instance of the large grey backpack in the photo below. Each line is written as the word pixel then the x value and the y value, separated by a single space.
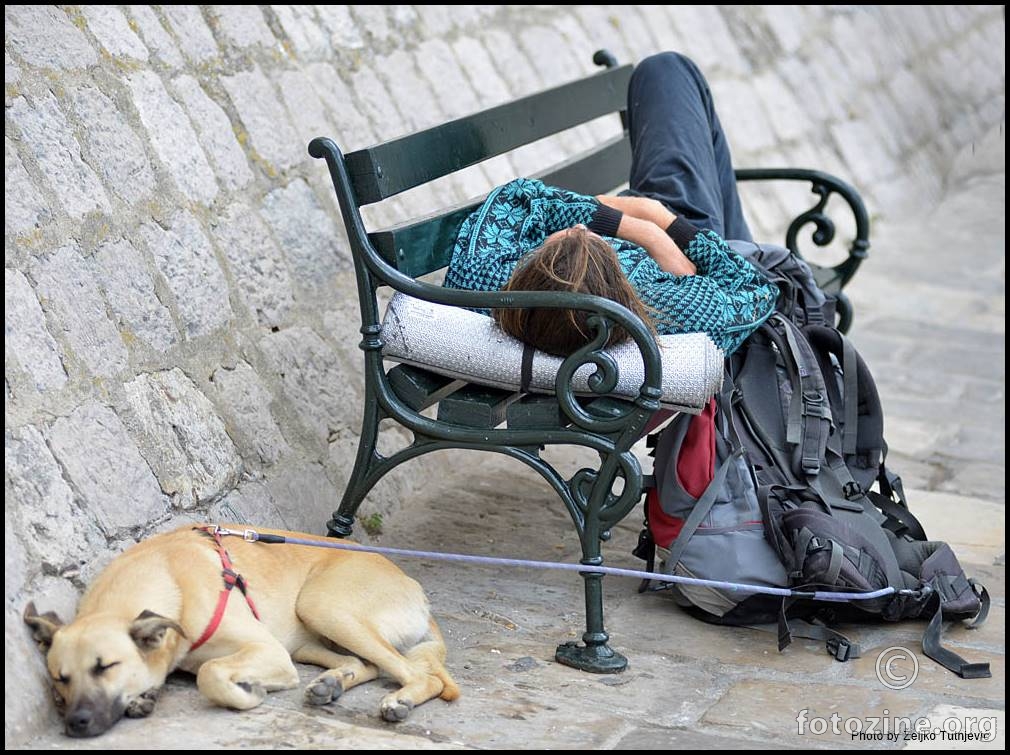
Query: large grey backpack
pixel 773 487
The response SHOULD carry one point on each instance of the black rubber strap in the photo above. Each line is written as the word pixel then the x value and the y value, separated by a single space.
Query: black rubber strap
pixel 527 368
pixel 932 646
pixel 840 647
pixel 902 519
pixel 984 602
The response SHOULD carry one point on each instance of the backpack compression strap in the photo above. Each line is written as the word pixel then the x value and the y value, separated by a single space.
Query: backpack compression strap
pixel 701 509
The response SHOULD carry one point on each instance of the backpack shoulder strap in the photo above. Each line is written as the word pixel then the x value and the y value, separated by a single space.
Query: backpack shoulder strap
pixel 860 412
pixel 809 415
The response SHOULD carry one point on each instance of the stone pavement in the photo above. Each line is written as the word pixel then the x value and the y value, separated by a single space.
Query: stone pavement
pixel 930 306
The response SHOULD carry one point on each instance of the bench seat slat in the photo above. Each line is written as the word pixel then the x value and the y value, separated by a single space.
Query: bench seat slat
pixel 541 411
pixel 420 389
pixel 476 406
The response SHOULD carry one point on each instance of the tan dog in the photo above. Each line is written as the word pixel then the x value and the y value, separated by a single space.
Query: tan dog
pixel 353 613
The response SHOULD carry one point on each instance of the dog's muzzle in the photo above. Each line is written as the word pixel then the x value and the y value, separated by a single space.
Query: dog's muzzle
pixel 89 718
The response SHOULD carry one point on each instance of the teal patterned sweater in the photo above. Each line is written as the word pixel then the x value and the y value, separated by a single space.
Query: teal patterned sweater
pixel 727 299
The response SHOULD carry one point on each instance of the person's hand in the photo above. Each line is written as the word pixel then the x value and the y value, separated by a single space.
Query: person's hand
pixel 657 243
pixel 668 255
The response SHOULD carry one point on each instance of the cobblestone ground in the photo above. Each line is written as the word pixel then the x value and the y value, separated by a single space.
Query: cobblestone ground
pixel 933 332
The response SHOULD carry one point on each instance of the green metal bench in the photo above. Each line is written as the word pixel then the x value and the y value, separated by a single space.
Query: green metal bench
pixel 511 423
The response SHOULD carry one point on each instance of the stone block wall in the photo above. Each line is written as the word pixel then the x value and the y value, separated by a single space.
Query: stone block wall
pixel 180 314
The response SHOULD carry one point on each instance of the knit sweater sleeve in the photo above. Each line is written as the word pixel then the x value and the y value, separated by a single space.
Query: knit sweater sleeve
pixel 714 259
pixel 728 298
pixel 554 209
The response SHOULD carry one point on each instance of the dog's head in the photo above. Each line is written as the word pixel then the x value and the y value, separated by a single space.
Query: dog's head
pixel 102 666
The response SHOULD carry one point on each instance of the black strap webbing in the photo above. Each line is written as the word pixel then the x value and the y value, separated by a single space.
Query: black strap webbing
pixel 932 646
pixel 984 602
pixel 840 647
pixel 851 397
pixel 527 369
pixel 901 519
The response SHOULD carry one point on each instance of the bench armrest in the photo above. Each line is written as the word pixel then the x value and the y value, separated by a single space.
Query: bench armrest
pixel 831 279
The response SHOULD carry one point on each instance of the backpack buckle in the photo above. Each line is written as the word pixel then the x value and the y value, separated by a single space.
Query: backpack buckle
pixel 852 490
pixel 841 650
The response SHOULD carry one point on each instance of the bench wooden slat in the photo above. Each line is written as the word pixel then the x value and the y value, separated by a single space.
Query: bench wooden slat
pixel 476 406
pixel 534 411
pixel 419 388
pixel 597 171
pixel 425 245
pixel 539 411
pixel 607 407
pixel 384 170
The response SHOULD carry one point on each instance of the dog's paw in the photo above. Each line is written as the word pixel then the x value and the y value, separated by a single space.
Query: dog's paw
pixel 323 690
pixel 142 705
pixel 394 710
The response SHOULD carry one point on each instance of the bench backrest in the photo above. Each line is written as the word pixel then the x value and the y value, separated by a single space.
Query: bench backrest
pixel 384 170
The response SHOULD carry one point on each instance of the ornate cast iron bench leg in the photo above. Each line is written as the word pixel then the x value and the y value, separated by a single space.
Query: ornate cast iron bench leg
pixel 600 510
pixel 362 477
pixel 359 482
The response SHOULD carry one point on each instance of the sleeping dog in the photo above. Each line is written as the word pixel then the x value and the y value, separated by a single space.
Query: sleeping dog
pixel 164 605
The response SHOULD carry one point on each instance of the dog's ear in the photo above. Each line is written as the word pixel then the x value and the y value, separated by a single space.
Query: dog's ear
pixel 148 630
pixel 43 626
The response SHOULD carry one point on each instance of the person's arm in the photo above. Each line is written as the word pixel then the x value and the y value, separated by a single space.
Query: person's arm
pixel 728 298
pixel 709 255
pixel 659 245
pixel 642 208
pixel 553 209
pixel 560 209
pixel 641 218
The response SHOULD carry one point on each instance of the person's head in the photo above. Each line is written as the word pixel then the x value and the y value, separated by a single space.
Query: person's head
pixel 575 260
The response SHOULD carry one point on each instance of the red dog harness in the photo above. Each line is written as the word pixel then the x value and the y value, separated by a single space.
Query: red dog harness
pixel 231 579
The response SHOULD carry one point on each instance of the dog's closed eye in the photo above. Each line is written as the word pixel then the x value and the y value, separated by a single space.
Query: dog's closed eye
pixel 100 668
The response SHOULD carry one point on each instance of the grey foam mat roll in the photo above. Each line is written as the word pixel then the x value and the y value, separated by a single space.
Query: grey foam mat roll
pixel 462 344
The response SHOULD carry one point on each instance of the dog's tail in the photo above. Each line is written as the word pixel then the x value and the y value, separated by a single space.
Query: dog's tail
pixel 432 654
pixel 450 690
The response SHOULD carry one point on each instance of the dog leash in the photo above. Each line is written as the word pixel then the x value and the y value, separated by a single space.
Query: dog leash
pixel 252 536
pixel 232 579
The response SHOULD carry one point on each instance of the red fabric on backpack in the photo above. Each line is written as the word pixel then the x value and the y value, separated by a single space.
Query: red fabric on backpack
pixel 695 469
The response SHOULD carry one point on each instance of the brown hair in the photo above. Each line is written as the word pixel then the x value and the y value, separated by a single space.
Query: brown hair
pixel 576 261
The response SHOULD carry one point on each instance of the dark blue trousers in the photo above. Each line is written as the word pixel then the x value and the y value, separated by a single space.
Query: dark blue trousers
pixel 679 151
